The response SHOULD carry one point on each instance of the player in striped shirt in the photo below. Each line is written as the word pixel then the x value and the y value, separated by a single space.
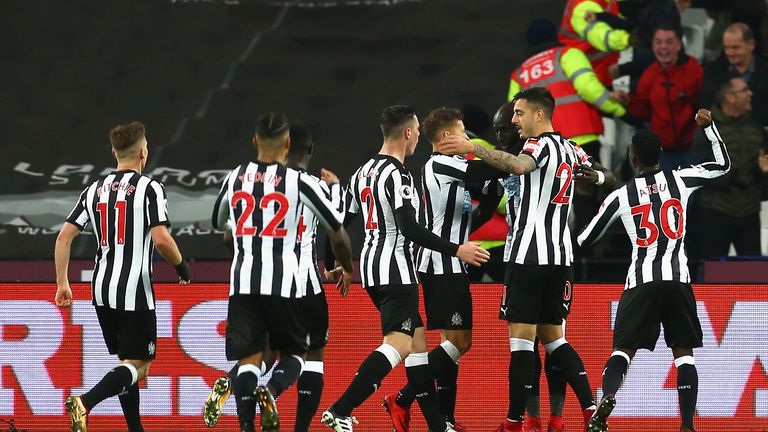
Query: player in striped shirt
pixel 652 208
pixel 384 192
pixel 314 304
pixel 539 273
pixel 128 213
pixel 263 201
pixel 444 278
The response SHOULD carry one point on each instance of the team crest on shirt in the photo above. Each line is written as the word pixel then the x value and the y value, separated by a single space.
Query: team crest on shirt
pixel 459 158
pixel 456 319
pixel 406 192
pixel 407 325
pixel 151 348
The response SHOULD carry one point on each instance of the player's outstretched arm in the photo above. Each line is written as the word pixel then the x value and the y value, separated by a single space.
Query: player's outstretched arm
pixel 167 248
pixel 61 254
pixel 470 253
pixel 607 213
pixel 500 160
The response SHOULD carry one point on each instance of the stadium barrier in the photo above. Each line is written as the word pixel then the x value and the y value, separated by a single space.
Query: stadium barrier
pixel 47 353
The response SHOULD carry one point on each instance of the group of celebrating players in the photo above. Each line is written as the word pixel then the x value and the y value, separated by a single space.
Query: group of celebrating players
pixel 277 307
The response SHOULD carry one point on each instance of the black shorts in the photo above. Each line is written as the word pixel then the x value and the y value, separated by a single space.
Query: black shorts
pixel 398 306
pixel 447 301
pixel 253 320
pixel 536 294
pixel 132 335
pixel 644 308
pixel 314 307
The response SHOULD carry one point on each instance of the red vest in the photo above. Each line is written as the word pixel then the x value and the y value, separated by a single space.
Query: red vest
pixel 600 59
pixel 573 116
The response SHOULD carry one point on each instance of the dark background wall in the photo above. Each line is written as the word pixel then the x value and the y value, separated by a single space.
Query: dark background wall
pixel 198 73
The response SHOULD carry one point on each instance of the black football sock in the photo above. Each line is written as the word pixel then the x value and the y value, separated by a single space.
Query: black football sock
pixel 285 374
pixel 687 388
pixel 567 359
pixel 533 401
pixel 421 380
pixel 368 378
pixel 114 382
pixel 405 396
pixel 310 389
pixel 232 375
pixel 129 401
pixel 246 381
pixel 614 372
pixel 443 360
pixel 556 384
pixel 521 365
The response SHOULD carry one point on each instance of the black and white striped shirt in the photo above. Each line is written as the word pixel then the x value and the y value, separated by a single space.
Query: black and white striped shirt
pixel 447 211
pixel 309 274
pixel 122 208
pixel 378 188
pixel 652 208
pixel 540 233
pixel 262 203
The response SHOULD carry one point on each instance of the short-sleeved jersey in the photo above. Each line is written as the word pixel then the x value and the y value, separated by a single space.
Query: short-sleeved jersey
pixel 309 274
pixel 262 203
pixel 652 208
pixel 540 233
pixel 447 211
pixel 122 208
pixel 377 189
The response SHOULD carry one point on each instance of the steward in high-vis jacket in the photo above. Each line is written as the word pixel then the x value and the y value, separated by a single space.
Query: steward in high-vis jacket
pixel 598 40
pixel 579 94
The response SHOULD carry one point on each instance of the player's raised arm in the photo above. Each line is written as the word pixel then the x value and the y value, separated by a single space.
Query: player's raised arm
pixel 697 175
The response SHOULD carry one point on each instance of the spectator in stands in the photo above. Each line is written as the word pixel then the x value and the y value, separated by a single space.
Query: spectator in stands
pixel 732 203
pixel 641 19
pixel 739 57
pixel 668 94
pixel 726 12
pixel 598 39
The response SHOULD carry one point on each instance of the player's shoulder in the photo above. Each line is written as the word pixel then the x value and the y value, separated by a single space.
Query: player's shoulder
pixel 443 159
pixel 393 167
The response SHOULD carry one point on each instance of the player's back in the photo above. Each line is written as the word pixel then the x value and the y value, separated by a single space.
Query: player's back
pixel 308 273
pixel 447 210
pixel 122 207
pixel 262 202
pixel 540 233
pixel 653 211
pixel 376 190
pixel 264 210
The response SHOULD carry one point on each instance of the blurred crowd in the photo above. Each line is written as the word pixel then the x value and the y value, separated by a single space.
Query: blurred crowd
pixel 627 61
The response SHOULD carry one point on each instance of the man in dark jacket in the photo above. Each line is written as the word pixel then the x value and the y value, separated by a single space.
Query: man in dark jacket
pixel 730 210
pixel 739 57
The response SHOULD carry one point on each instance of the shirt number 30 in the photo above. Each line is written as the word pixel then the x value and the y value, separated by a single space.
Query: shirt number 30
pixel 651 229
